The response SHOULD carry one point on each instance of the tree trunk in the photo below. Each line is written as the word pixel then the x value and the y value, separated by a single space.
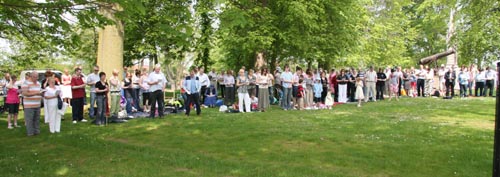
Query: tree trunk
pixel 451 59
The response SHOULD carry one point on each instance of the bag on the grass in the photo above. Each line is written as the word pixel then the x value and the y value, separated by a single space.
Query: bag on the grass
pixel 223 108
pixel 403 92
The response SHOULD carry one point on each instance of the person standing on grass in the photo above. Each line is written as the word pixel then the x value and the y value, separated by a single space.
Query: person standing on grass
pixel 136 90
pixel 441 73
pixel 66 86
pixel 352 85
pixel 480 79
pixel 324 85
pixel 263 81
pixel 381 78
pixel 450 77
pixel 371 79
pixel 78 94
pixel 92 79
pixel 52 92
pixel 3 86
pixel 220 82
pixel 394 84
pixel 157 83
pixel 295 86
pixel 12 102
pixel 101 91
pixel 300 94
pixel 472 75
pixel 490 80
pixel 421 75
pixel 359 89
pixel 278 85
pixel 287 79
pixel 229 88
pixel 308 89
pixel 332 80
pixel 342 80
pixel 143 81
pixel 318 92
pixel 205 83
pixel 192 87
pixel 463 80
pixel 114 88
pixel 32 93
pixel 242 83
pixel 252 86
pixel 128 90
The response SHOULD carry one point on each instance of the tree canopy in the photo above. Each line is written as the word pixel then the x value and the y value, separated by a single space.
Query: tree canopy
pixel 231 33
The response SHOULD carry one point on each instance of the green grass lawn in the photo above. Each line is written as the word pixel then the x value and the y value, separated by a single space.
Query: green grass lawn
pixel 412 137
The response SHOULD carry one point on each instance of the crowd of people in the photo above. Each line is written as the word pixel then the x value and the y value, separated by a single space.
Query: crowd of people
pixel 311 89
pixel 255 90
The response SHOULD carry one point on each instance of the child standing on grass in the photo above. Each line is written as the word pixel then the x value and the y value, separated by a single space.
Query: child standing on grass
pixel 394 85
pixel 300 95
pixel 359 90
pixel 318 90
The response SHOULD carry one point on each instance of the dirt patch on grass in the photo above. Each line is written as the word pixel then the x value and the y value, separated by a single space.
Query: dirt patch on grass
pixel 119 140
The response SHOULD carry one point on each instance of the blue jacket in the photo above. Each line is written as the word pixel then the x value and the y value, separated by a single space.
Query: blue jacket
pixel 186 85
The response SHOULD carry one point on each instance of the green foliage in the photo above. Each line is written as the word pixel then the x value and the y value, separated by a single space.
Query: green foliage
pixel 479 38
pixel 164 29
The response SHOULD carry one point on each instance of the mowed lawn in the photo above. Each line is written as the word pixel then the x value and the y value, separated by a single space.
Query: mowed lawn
pixel 412 137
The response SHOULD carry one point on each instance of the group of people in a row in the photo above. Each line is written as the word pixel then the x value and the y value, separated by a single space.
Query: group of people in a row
pixel 309 89
pixel 255 90
pixel 70 90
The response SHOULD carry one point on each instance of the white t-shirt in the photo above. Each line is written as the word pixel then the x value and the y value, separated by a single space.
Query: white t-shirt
pixel 204 81
pixel 153 77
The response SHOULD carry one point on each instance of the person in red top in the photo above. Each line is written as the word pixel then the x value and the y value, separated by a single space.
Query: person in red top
pixel 332 80
pixel 78 94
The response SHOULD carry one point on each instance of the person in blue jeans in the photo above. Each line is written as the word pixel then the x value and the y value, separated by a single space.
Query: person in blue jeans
pixel 92 79
pixel 101 91
pixel 286 78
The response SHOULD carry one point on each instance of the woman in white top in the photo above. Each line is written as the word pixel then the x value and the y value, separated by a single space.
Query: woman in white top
pixel 263 81
pixel 242 82
pixel 143 81
pixel 229 88
pixel 52 92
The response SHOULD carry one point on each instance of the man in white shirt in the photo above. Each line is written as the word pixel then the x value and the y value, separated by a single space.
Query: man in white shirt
pixel 157 83
pixel 490 80
pixel 421 75
pixel 92 79
pixel 371 79
pixel 205 82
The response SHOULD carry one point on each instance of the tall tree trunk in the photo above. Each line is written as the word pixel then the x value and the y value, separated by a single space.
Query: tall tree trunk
pixel 451 59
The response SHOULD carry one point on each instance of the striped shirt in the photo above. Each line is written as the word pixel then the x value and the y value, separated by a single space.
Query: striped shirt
pixel 31 101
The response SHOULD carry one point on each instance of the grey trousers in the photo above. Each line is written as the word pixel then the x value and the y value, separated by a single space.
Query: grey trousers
pixel 32 118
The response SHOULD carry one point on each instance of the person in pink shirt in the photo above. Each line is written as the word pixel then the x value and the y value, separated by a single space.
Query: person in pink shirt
pixel 12 102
